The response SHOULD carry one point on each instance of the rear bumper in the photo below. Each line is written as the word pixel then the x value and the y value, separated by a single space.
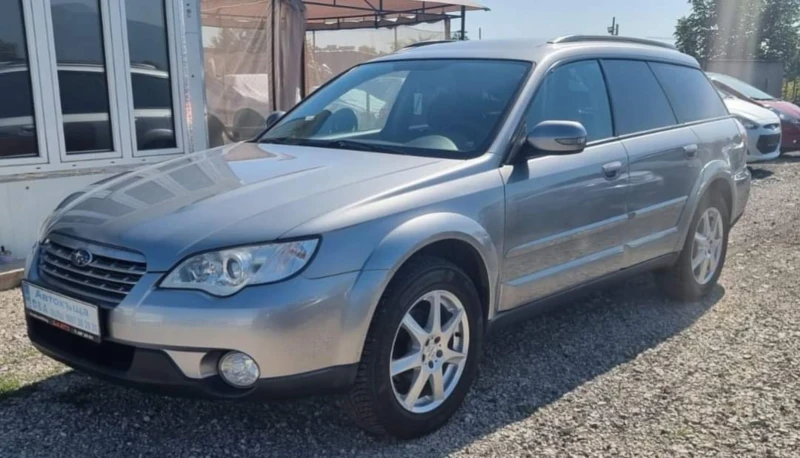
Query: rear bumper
pixel 154 371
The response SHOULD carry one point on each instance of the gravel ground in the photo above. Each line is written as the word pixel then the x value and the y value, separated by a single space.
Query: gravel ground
pixel 621 373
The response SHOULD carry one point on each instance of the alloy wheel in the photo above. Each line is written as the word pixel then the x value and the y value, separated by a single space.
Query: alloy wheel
pixel 429 352
pixel 707 249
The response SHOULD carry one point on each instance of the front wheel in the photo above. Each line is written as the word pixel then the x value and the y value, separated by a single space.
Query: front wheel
pixel 421 353
pixel 700 263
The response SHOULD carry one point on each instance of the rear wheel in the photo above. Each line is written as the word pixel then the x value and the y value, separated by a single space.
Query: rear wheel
pixel 700 263
pixel 421 353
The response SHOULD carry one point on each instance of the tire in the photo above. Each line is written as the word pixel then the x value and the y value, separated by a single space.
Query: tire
pixel 373 401
pixel 679 282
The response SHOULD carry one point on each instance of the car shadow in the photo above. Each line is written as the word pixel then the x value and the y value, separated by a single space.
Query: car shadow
pixel 524 369
pixel 759 173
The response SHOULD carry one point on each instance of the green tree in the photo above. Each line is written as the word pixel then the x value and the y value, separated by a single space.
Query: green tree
pixel 742 29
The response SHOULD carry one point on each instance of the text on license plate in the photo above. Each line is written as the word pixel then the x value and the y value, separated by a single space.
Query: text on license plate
pixel 80 318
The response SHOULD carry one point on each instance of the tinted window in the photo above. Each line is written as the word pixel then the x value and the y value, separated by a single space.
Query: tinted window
pixel 151 92
pixel 76 100
pixel 78 36
pixel 638 101
pixel 574 92
pixel 691 94
pixel 17 126
pixel 150 73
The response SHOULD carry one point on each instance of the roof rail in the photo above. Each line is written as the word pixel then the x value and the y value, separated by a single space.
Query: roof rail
pixel 426 43
pixel 612 39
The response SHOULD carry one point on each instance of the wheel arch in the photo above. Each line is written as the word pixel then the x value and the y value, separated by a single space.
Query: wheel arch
pixel 425 234
pixel 715 178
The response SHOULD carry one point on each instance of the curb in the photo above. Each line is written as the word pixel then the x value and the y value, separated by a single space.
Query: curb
pixel 11 278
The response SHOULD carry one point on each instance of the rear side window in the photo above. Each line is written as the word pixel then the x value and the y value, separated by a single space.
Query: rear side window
pixel 691 94
pixel 637 99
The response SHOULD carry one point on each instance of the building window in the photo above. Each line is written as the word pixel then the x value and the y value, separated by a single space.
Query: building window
pixel 82 78
pixel 18 137
pixel 148 46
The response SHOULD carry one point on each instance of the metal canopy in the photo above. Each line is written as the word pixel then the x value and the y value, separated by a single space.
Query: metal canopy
pixel 342 14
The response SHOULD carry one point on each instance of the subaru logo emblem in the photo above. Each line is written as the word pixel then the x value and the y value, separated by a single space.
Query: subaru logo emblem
pixel 81 257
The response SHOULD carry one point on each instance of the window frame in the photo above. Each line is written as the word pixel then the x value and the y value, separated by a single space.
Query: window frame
pixel 33 51
pixel 43 71
pixel 646 62
pixel 541 83
pixel 114 108
pixel 176 83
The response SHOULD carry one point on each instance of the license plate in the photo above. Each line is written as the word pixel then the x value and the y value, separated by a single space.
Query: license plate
pixel 73 316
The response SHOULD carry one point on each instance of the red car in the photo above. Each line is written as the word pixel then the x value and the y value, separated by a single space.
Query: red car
pixel 787 111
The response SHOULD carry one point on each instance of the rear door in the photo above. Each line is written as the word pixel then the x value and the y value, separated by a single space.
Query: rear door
pixel 566 214
pixel 663 158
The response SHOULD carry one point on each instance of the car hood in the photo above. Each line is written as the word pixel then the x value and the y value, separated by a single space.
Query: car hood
pixel 784 106
pixel 241 194
pixel 750 110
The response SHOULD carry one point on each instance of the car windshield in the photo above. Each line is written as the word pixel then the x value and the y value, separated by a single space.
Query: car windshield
pixel 741 87
pixel 444 108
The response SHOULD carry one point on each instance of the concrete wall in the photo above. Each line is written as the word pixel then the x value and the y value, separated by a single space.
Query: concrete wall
pixel 25 203
pixel 763 74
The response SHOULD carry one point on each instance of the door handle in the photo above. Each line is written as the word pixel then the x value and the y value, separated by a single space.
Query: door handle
pixel 690 151
pixel 611 170
pixel 27 130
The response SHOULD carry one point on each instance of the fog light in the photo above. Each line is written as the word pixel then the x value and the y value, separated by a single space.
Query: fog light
pixel 238 369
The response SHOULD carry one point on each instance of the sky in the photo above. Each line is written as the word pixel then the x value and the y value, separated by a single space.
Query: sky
pixel 538 19
pixel 552 18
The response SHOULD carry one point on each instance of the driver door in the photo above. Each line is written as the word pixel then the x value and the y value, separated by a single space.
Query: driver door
pixel 566 214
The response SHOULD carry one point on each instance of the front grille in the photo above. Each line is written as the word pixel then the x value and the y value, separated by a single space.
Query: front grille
pixel 106 280
pixel 768 143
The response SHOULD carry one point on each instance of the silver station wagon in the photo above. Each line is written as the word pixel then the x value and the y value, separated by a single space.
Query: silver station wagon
pixel 371 238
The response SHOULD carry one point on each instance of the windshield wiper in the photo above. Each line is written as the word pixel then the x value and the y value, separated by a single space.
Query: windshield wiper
pixel 338 144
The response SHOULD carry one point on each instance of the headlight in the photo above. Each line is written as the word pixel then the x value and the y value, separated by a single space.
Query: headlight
pixel 748 124
pixel 225 272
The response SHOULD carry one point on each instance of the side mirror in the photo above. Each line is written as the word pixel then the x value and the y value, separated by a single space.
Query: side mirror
pixel 556 137
pixel 274 117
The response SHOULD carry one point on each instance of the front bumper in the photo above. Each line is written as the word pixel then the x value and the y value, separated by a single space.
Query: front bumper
pixel 791 137
pixel 154 371
pixel 305 334
pixel 757 141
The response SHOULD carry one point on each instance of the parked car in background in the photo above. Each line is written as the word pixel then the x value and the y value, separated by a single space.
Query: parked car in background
pixel 763 127
pixel 788 112
pixel 373 255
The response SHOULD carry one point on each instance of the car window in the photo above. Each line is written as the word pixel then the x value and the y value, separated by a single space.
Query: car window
pixel 442 108
pixel 638 102
pixel 574 92
pixel 692 96
pixel 370 102
pixel 741 87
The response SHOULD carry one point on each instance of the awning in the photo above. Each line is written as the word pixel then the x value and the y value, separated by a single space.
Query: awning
pixel 340 14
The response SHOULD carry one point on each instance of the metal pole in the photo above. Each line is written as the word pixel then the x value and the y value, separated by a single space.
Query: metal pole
pixel 463 21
